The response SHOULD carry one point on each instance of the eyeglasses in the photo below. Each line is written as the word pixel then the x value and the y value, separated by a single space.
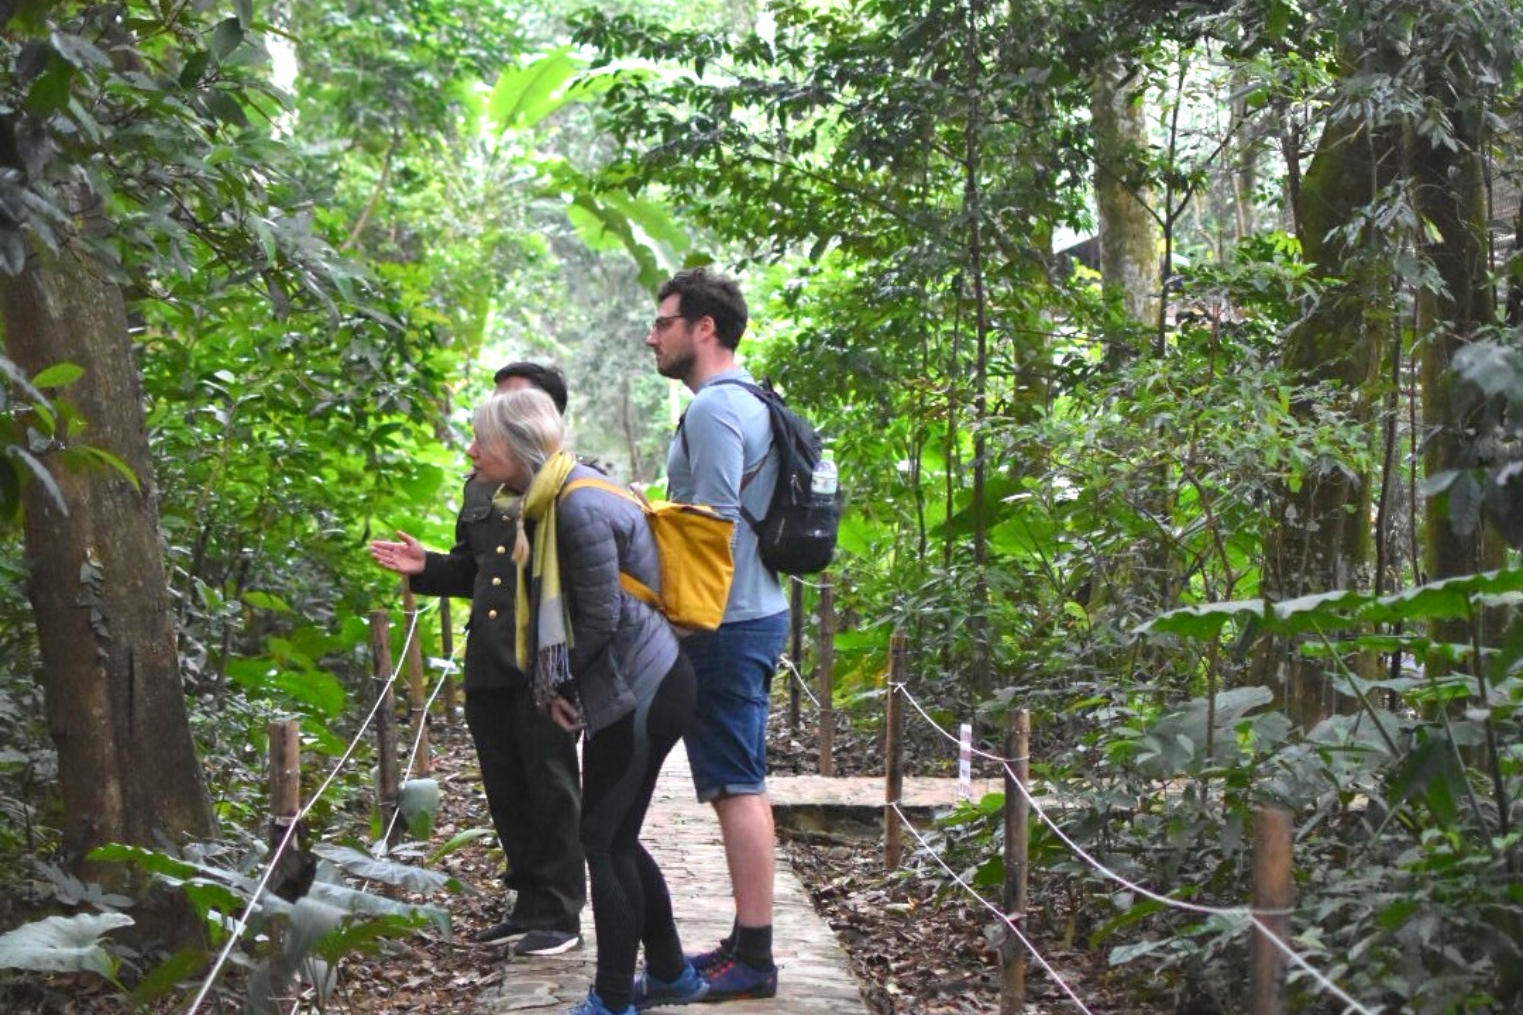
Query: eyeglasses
pixel 664 321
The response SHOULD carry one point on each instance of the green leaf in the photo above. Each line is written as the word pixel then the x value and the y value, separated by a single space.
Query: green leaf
pixel 43 476
pixel 266 601
pixel 319 690
pixel 80 52
pixel 226 37
pixel 1203 621
pixel 107 458
pixel 49 93
pixel 373 868
pixel 1126 953
pixel 58 375
pixel 458 841
pixel 12 252
pixel 194 69
pixel 224 107
pixel 523 96
pixel 62 944
pixel 168 975
pixel 418 801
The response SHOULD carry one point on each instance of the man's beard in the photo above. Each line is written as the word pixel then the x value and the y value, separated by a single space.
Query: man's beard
pixel 677 369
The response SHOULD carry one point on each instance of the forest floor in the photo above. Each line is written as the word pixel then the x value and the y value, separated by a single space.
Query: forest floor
pixel 915 946
pixel 917 943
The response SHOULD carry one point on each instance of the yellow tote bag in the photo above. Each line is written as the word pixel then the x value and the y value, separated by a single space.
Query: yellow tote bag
pixel 693 542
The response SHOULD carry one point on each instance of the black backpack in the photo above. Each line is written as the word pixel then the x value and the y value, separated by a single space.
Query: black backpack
pixel 797 535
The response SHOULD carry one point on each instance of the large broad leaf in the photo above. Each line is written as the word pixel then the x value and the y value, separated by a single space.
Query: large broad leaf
pixel 373 868
pixel 1204 621
pixel 1178 740
pixel 1329 611
pixel 418 801
pixel 62 944
pixel 523 96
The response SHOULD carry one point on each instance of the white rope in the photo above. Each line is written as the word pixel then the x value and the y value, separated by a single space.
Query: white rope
pixel 944 732
pixel 241 924
pixel 1241 913
pixel 417 742
pixel 996 910
pixel 799 678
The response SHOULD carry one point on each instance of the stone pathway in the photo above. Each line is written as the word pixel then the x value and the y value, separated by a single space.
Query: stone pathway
pixel 683 835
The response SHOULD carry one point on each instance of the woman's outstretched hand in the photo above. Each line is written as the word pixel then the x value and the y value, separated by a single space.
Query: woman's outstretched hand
pixel 406 557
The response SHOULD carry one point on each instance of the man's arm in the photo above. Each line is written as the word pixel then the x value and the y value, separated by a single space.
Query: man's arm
pixel 716 454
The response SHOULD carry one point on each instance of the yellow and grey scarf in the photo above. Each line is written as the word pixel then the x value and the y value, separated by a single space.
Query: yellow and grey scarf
pixel 543 635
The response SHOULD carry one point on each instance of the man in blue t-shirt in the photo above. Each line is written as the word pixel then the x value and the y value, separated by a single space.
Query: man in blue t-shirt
pixel 722 456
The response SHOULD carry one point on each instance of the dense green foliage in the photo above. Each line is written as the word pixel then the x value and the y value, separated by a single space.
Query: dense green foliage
pixel 324 268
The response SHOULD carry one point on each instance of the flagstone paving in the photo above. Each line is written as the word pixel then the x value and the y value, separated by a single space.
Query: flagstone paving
pixel 683 835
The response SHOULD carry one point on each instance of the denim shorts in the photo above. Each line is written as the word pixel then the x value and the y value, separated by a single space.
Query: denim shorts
pixel 727 741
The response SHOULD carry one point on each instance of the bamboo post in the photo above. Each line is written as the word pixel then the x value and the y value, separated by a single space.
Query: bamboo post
pixel 417 695
pixel 1273 895
pixel 285 777
pixel 796 652
pixel 1012 999
pixel 893 753
pixel 291 869
pixel 827 678
pixel 385 720
pixel 447 645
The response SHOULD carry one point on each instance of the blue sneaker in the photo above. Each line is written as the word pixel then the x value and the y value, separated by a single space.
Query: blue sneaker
pixel 703 960
pixel 730 979
pixel 594 1006
pixel 653 992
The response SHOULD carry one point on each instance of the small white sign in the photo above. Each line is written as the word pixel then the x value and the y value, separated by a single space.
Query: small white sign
pixel 965 763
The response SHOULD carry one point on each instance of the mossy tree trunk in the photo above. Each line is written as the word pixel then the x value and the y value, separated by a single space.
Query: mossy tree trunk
pixel 1449 194
pixel 1318 537
pixel 1129 231
pixel 115 705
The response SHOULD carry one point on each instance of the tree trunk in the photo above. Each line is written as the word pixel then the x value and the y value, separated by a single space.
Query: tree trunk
pixel 1464 427
pixel 1319 535
pixel 115 706
pixel 1129 240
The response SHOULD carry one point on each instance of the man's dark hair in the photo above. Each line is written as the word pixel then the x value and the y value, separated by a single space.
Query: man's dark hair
pixel 546 379
pixel 706 293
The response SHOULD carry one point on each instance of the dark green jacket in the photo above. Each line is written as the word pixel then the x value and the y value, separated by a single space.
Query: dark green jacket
pixel 480 567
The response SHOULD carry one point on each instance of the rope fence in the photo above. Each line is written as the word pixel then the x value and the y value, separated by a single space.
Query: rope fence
pixel 237 926
pixel 1269 923
pixel 1260 918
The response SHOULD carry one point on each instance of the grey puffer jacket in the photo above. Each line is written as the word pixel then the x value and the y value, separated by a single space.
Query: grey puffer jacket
pixel 621 648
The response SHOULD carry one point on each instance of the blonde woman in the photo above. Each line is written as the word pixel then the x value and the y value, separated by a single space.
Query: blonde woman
pixel 603 662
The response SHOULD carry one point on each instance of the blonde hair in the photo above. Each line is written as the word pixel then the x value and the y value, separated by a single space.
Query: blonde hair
pixel 525 421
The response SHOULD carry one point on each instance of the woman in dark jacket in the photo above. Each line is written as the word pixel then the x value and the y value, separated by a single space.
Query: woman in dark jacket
pixel 603 661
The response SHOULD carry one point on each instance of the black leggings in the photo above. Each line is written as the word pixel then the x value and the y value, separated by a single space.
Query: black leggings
pixel 630 903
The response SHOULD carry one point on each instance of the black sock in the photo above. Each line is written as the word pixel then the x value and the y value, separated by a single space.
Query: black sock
pixel 664 959
pixel 753 946
pixel 727 943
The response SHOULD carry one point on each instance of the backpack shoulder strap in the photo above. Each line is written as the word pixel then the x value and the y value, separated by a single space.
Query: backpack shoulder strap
pixel 769 398
pixel 631 584
pixel 599 483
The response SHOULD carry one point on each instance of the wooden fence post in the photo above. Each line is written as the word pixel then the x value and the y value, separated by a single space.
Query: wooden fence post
pixel 385 721
pixel 447 646
pixel 292 868
pixel 285 777
pixel 893 752
pixel 796 652
pixel 827 678
pixel 1273 895
pixel 417 695
pixel 1012 999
